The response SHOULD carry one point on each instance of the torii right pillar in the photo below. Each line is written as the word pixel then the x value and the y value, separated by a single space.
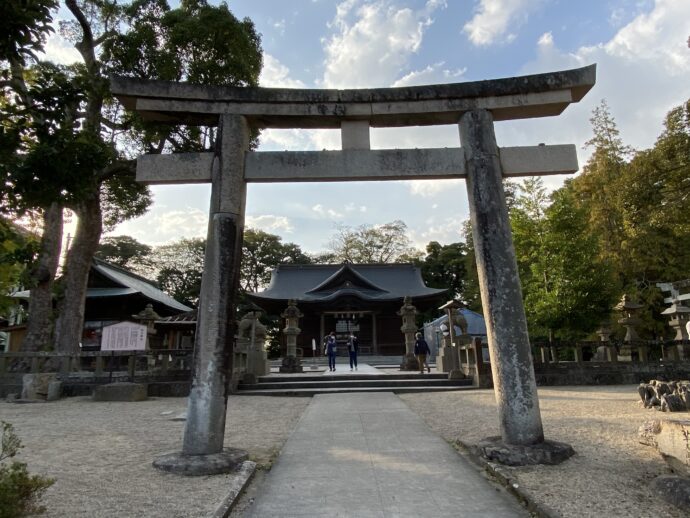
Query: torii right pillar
pixel 522 436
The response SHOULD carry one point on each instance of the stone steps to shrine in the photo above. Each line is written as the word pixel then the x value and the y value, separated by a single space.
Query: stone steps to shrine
pixel 296 385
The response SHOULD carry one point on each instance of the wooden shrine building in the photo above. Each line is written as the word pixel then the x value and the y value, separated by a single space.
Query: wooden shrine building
pixel 364 298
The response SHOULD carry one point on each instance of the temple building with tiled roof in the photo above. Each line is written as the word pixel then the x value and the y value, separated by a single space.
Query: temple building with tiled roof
pixel 363 298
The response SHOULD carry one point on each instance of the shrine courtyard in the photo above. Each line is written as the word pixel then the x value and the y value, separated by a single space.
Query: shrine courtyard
pixel 100 453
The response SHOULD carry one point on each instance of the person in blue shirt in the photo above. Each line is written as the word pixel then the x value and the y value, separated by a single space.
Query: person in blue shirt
pixel 353 349
pixel 421 349
pixel 331 350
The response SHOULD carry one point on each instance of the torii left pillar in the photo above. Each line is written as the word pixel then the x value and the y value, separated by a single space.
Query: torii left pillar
pixel 202 447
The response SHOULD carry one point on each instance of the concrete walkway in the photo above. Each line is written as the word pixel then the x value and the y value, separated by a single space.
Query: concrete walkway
pixel 369 455
pixel 343 368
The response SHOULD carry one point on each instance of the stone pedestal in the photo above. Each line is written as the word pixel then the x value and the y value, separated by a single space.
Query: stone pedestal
pixel 121 392
pixel 36 386
pixel 253 333
pixel 409 327
pixel 447 358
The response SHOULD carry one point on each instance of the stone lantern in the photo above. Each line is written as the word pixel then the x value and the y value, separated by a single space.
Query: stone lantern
pixel 251 335
pixel 679 316
pixel 148 317
pixel 409 327
pixel 606 351
pixel 629 309
pixel 291 315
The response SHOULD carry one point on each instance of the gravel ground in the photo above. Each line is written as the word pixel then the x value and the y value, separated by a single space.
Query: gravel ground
pixel 101 453
pixel 611 471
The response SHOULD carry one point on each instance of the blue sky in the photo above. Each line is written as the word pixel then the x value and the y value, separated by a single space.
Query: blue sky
pixel 640 47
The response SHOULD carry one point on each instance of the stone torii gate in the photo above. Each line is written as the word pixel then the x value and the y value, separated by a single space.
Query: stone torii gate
pixel 474 106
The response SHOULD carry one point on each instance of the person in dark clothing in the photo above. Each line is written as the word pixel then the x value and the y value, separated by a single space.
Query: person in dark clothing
pixel 353 349
pixel 421 349
pixel 331 350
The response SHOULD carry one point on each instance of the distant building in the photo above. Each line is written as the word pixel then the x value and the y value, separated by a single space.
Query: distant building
pixel 363 298
pixel 476 326
pixel 113 295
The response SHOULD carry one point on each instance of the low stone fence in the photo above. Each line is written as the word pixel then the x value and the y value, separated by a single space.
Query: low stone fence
pixel 167 372
pixel 578 363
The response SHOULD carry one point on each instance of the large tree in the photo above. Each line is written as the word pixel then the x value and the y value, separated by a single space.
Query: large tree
pixel 567 287
pixel 125 252
pixel 445 266
pixel 386 243
pixel 261 253
pixel 37 110
pixel 195 42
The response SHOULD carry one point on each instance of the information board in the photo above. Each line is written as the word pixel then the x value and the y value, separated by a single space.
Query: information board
pixel 125 336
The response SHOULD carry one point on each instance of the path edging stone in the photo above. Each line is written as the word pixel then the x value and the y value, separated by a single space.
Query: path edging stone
pixel 242 477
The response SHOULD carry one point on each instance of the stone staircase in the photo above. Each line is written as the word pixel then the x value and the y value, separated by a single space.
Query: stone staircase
pixel 309 384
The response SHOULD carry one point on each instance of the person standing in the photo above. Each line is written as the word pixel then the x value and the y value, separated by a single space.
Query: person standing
pixel 331 350
pixel 353 349
pixel 421 349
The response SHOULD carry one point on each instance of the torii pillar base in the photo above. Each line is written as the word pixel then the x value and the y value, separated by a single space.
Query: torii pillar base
pixel 200 465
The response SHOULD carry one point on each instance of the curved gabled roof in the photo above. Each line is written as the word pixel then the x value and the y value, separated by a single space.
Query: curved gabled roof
pixel 130 283
pixel 314 283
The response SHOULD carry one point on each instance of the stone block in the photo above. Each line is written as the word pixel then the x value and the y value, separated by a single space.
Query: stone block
pixel 35 386
pixel 672 439
pixel 120 392
pixel 54 390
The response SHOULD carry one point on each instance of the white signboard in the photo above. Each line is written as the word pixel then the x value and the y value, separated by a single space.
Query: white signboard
pixel 125 336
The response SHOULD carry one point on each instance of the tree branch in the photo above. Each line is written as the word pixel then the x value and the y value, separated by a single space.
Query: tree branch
pixel 123 166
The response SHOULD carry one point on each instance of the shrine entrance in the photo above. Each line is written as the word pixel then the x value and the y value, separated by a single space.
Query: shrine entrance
pixel 473 106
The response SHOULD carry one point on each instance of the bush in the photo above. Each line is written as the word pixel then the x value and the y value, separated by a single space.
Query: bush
pixel 19 491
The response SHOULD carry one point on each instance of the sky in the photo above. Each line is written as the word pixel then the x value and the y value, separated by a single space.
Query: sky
pixel 643 70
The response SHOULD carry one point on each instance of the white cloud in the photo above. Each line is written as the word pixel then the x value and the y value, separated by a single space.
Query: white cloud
pixel 279 26
pixel 352 207
pixel 372 42
pixel 270 223
pixel 58 50
pixel 326 212
pixel 162 225
pixel 431 188
pixel 494 18
pixel 643 71
pixel 448 230
pixel 430 75
pixel 275 74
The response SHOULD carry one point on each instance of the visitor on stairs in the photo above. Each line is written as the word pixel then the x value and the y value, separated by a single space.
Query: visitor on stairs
pixel 421 349
pixel 353 349
pixel 331 351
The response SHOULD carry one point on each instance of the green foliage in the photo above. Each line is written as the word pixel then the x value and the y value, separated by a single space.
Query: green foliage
pixel 125 252
pixel 19 491
pixel 179 267
pixel 24 25
pixel 445 266
pixel 566 287
pixel 261 253
pixel 386 243
pixel 18 249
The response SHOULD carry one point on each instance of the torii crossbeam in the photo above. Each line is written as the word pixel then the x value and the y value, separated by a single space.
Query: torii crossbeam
pixel 474 106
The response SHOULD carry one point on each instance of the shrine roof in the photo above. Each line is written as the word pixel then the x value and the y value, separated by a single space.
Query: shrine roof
pixel 316 283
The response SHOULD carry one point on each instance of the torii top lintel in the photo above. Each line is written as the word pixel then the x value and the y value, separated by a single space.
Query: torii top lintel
pixel 521 97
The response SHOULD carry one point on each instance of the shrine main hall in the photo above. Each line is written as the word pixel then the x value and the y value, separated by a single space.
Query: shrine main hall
pixel 360 298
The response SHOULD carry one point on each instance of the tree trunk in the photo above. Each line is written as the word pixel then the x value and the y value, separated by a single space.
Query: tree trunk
pixel 70 322
pixel 42 277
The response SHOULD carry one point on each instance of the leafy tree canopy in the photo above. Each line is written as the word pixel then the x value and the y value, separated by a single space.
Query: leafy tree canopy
pixel 386 243
pixel 124 251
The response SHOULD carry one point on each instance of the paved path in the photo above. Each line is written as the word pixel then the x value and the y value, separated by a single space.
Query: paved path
pixel 369 455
